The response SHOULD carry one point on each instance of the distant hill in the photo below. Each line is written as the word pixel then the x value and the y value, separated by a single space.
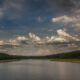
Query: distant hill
pixel 69 55
pixel 4 56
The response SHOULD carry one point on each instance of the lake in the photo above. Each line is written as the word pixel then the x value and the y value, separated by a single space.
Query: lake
pixel 39 70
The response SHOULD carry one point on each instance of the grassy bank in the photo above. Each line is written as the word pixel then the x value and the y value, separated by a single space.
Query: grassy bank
pixel 67 60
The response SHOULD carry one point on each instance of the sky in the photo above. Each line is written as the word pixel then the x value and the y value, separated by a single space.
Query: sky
pixel 39 27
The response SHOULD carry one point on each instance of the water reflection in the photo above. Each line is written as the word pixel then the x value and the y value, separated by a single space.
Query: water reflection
pixel 39 70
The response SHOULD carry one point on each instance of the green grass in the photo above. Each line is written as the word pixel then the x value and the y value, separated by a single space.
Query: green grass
pixel 66 60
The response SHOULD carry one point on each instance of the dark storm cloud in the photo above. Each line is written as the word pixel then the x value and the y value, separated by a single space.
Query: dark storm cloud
pixel 72 12
pixel 16 13
pixel 66 5
pixel 34 7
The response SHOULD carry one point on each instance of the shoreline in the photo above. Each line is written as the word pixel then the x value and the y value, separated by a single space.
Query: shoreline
pixel 67 60
pixel 3 61
pixel 57 60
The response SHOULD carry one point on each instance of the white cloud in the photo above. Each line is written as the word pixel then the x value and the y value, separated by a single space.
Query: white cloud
pixel 34 37
pixel 72 20
pixel 12 42
pixel 21 38
pixel 76 27
pixel 60 37
pixel 1 42
pixel 64 19
pixel 61 32
pixel 66 35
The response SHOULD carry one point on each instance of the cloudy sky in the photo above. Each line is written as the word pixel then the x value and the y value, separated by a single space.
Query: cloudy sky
pixel 39 27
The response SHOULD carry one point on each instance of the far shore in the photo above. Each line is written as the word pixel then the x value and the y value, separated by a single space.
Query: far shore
pixel 57 60
pixel 73 56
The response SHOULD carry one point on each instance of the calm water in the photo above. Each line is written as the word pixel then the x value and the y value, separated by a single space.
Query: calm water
pixel 39 70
